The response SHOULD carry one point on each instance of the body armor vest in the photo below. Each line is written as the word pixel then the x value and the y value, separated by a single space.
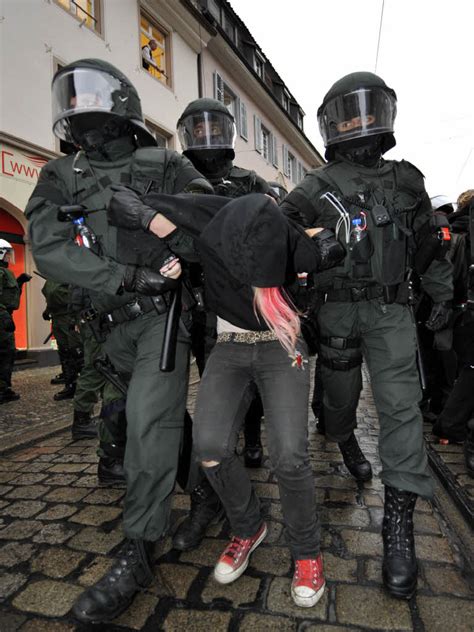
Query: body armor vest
pixel 381 205
pixel 88 183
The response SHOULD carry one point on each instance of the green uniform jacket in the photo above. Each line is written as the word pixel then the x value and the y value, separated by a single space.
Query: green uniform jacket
pixel 78 179
pixel 9 290
pixel 57 297
pixel 400 187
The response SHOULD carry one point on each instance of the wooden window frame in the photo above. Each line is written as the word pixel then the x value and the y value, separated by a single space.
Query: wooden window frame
pixel 159 26
pixel 98 27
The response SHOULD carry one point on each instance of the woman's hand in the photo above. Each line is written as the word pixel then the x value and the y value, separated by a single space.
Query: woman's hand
pixel 171 269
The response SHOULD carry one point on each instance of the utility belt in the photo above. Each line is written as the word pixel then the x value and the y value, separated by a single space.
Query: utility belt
pixel 141 305
pixel 399 293
pixel 101 324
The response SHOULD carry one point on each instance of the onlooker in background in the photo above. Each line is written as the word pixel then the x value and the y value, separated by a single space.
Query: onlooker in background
pixel 63 323
pixel 10 291
pixel 456 422
pixel 147 55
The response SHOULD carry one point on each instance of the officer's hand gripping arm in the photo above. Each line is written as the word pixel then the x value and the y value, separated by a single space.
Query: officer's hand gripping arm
pixel 146 281
pixel 126 210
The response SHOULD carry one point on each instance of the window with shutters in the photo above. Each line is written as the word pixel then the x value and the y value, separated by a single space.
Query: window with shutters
pixel 88 12
pixel 292 169
pixel 155 49
pixel 266 143
pixel 275 151
pixel 224 93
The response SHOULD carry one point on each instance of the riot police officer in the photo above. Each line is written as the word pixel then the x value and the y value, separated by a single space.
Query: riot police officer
pixel 206 130
pixel 9 301
pixel 97 108
pixel 382 215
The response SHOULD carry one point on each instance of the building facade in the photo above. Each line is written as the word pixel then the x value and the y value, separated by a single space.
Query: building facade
pixel 202 49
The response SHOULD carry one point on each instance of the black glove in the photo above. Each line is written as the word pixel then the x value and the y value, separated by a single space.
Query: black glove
pixel 146 281
pixel 331 252
pixel 440 317
pixel 23 278
pixel 126 210
pixel 46 315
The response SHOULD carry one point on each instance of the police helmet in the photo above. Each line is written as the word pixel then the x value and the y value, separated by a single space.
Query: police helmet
pixel 442 203
pixel 358 105
pixel 91 86
pixel 206 124
pixel 7 254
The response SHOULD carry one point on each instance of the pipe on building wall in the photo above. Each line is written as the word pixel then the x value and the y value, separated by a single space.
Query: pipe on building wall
pixel 199 73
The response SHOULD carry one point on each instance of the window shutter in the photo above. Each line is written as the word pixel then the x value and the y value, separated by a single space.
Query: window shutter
pixel 243 121
pixel 299 172
pixel 257 123
pixel 218 87
pixel 286 170
pixel 274 151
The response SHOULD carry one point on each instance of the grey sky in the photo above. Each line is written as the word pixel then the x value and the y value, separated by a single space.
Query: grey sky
pixel 426 56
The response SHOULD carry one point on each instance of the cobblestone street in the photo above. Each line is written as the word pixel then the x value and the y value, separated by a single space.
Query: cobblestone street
pixel 58 531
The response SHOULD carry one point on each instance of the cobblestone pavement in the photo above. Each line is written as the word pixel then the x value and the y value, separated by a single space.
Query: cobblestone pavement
pixel 58 531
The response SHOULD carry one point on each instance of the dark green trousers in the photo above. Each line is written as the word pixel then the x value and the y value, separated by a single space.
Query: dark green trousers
pixel 388 346
pixel 7 355
pixel 155 408
pixel 90 382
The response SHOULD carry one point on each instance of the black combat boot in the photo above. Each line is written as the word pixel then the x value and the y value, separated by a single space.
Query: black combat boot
pixel 83 427
pixel 206 508
pixel 469 448
pixel 58 379
pixel 355 460
pixel 113 594
pixel 253 455
pixel 110 471
pixel 67 392
pixel 9 395
pixel 399 568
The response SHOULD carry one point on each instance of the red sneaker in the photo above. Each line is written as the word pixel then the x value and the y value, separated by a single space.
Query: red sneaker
pixel 308 583
pixel 235 559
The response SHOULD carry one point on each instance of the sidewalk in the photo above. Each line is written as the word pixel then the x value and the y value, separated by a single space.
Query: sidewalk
pixel 58 530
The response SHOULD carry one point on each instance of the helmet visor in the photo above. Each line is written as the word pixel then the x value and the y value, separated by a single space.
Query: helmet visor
pixel 7 255
pixel 207 130
pixel 360 113
pixel 85 90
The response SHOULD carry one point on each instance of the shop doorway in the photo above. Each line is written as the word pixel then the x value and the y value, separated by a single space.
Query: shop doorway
pixel 12 231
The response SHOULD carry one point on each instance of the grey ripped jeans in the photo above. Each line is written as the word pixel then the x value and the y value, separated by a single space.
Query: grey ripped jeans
pixel 223 398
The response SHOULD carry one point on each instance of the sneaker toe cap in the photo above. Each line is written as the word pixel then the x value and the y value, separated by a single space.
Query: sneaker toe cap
pixel 222 568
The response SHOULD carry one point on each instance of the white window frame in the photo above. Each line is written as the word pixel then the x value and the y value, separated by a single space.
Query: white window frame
pixel 267 143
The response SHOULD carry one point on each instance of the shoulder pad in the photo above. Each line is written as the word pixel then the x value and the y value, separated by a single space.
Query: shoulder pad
pixel 151 154
pixel 238 172
pixel 410 167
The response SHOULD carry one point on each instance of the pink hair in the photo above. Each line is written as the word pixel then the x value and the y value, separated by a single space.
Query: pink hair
pixel 279 314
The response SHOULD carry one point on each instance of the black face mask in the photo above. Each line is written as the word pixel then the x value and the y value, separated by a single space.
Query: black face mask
pixel 365 151
pixel 212 163
pixel 93 131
